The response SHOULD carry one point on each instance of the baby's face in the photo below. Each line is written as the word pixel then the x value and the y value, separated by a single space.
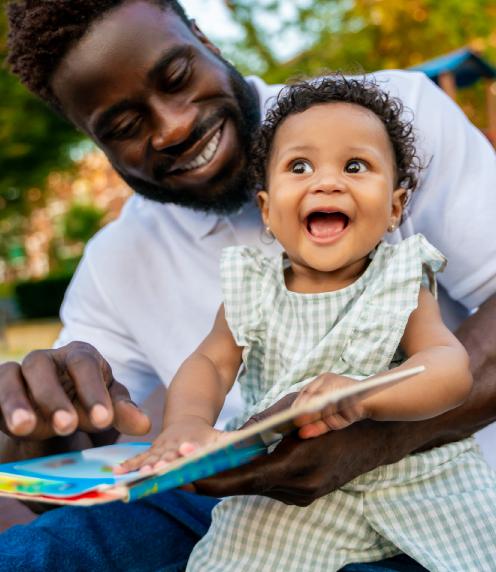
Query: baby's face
pixel 331 187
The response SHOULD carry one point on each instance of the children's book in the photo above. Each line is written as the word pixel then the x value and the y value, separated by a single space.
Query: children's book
pixel 87 478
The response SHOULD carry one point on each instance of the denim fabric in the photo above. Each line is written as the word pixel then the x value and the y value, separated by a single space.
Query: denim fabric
pixel 401 563
pixel 151 535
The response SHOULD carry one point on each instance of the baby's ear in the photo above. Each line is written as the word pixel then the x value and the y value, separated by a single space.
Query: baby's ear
pixel 263 204
pixel 398 204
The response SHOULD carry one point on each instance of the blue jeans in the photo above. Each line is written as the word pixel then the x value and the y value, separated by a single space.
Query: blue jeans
pixel 157 533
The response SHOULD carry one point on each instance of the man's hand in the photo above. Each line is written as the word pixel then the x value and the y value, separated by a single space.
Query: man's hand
pixel 56 392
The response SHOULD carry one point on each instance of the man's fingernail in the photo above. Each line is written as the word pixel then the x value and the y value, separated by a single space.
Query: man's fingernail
pixel 21 417
pixel 63 420
pixel 99 414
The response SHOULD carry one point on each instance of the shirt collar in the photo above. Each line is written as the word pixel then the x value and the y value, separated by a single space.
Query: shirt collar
pixel 197 223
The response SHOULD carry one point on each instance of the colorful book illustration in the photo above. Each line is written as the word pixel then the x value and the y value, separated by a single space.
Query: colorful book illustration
pixel 87 478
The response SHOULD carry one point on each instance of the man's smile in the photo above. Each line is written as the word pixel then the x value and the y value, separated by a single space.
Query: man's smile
pixel 200 154
pixel 207 157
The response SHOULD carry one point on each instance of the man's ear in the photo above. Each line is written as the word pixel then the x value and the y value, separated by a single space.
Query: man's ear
pixel 263 204
pixel 201 36
pixel 397 206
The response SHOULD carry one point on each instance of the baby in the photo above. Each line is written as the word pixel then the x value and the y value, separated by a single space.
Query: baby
pixel 334 166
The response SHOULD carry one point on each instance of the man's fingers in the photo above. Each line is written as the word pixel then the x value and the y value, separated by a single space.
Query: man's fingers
pixel 128 417
pixel 42 380
pixel 87 370
pixel 18 415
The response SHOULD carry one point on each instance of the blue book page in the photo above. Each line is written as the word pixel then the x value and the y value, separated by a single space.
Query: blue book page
pixel 69 474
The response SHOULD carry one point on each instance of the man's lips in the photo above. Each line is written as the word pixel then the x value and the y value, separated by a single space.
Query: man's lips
pixel 325 225
pixel 200 154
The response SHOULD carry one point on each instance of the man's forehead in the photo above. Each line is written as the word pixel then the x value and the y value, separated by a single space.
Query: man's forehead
pixel 127 40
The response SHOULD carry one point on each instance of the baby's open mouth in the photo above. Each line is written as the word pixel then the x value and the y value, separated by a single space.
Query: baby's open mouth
pixel 322 224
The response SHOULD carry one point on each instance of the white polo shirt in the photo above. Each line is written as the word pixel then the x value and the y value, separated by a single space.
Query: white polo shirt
pixel 147 289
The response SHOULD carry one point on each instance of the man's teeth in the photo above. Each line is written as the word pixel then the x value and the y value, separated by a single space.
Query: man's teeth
pixel 206 155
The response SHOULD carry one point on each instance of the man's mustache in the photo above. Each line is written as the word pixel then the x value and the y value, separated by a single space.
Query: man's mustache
pixel 171 154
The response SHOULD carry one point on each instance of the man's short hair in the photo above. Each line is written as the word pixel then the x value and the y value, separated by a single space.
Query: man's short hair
pixel 41 32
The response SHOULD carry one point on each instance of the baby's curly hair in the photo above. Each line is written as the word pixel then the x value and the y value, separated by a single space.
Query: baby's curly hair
pixel 302 95
pixel 41 32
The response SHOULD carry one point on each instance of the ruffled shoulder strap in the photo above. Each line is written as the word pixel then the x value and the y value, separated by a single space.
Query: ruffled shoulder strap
pixel 414 258
pixel 382 312
pixel 246 276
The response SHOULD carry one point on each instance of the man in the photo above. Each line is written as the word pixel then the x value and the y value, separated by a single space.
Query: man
pixel 176 120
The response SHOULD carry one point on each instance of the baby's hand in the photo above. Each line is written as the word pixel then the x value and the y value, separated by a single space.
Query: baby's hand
pixel 176 440
pixel 320 422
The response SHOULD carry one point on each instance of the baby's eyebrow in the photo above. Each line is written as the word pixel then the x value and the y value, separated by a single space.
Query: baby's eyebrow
pixel 292 150
pixel 363 149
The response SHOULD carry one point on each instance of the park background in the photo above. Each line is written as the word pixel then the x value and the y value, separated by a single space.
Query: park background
pixel 57 189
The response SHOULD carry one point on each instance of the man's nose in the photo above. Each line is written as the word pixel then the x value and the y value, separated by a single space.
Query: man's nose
pixel 172 123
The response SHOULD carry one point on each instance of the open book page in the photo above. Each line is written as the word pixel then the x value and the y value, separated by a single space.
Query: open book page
pixel 87 477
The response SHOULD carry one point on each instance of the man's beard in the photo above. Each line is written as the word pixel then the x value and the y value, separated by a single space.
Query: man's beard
pixel 233 178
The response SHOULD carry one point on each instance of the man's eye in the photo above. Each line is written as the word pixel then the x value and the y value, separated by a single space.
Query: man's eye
pixel 178 75
pixel 356 166
pixel 301 167
pixel 126 129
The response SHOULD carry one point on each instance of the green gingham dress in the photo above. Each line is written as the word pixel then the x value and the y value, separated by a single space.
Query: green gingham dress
pixel 439 506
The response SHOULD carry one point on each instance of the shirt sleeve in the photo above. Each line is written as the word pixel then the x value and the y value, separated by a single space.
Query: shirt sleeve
pixel 455 203
pixel 88 314
pixel 243 276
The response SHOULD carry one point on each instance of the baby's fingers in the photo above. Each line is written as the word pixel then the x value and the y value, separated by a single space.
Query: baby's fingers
pixel 307 418
pixel 131 464
pixel 313 429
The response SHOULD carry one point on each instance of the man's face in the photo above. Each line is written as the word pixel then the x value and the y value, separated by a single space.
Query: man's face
pixel 174 118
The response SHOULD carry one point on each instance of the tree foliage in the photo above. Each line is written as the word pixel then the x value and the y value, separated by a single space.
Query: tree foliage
pixel 33 140
pixel 357 34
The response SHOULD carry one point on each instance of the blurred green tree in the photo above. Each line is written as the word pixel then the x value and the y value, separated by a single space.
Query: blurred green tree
pixel 33 141
pixel 359 35
pixel 350 34
pixel 81 222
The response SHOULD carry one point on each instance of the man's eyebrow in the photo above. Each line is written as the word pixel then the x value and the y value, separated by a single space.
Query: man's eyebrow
pixel 105 119
pixel 166 60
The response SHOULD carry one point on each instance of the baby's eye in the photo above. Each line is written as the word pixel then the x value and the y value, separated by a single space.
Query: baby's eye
pixel 300 167
pixel 356 166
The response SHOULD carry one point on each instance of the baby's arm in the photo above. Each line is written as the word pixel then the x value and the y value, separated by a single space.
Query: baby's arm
pixel 195 398
pixel 447 380
pixel 445 383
